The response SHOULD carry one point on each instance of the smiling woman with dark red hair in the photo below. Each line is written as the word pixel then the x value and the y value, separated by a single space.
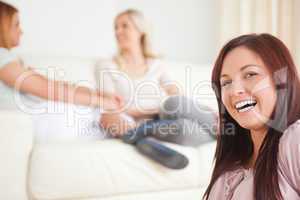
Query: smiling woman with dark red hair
pixel 258 148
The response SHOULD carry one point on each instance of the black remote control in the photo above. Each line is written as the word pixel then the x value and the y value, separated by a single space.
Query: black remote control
pixel 134 135
pixel 162 154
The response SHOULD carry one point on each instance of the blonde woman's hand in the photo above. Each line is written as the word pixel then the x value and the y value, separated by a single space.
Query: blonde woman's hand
pixel 109 105
pixel 115 98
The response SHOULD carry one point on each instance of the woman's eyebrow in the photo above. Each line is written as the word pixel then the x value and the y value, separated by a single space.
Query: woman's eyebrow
pixel 249 65
pixel 242 68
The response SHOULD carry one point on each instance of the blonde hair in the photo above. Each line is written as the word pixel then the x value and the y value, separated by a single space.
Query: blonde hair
pixel 6 15
pixel 144 27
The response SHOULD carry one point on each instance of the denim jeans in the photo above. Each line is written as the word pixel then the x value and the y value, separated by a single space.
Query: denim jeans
pixel 181 121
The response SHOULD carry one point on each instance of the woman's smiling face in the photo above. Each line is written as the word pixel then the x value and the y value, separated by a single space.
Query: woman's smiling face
pixel 126 32
pixel 247 87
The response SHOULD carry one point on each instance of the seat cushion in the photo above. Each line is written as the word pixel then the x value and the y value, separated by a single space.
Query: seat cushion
pixel 107 167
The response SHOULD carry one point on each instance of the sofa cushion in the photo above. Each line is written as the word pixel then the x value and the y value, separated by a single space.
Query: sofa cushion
pixel 108 167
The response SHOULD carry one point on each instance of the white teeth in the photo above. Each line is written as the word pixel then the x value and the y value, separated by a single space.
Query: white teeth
pixel 240 104
pixel 246 109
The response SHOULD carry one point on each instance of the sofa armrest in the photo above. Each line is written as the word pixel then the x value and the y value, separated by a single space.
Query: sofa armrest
pixel 16 138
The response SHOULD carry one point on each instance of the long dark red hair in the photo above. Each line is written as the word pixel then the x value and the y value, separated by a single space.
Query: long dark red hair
pixel 235 150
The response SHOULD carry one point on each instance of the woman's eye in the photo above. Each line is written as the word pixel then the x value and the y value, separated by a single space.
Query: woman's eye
pixel 225 83
pixel 250 74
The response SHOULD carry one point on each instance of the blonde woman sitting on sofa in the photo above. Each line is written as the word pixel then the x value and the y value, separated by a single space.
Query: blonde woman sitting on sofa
pixel 142 80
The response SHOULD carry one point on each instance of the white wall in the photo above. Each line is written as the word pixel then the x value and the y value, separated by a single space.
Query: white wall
pixel 68 27
pixel 184 30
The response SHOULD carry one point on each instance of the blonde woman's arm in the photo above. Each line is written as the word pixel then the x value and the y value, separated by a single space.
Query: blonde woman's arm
pixel 28 81
pixel 170 86
pixel 171 89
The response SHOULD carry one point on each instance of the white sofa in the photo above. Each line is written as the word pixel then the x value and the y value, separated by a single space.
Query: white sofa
pixel 96 170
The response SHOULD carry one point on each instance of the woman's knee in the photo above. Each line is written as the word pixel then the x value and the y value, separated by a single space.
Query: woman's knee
pixel 170 107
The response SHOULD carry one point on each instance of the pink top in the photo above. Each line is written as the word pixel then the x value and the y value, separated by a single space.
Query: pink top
pixel 238 184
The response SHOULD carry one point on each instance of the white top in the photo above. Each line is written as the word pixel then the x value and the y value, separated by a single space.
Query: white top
pixel 7 93
pixel 9 97
pixel 144 92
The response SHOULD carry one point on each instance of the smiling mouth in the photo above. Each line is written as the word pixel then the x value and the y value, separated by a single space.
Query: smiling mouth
pixel 244 106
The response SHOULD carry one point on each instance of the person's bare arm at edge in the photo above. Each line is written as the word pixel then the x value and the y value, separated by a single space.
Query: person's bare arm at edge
pixel 28 81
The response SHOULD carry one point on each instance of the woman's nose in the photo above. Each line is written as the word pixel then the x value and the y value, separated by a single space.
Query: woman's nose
pixel 118 31
pixel 238 88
